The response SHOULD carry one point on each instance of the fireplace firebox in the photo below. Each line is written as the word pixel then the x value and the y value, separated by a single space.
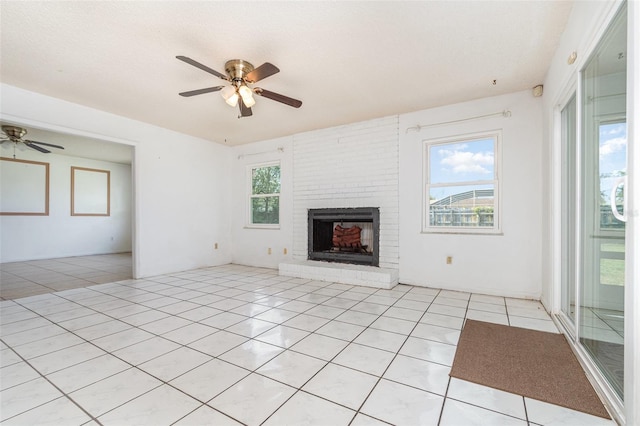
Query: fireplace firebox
pixel 345 235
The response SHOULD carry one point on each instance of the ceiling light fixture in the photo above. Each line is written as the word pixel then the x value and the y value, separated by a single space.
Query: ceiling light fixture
pixel 230 95
pixel 247 96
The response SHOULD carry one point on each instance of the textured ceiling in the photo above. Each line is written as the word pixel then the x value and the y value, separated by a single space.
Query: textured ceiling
pixel 347 61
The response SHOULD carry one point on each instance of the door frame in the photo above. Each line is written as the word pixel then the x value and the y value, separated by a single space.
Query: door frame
pixel 628 411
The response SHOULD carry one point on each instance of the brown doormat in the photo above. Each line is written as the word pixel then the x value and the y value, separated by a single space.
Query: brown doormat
pixel 535 364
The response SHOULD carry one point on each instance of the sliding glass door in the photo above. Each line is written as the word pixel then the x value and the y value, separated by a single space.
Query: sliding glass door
pixel 568 226
pixel 602 233
pixel 593 225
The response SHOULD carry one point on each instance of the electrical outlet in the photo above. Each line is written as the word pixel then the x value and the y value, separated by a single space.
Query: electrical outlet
pixel 284 251
pixel 449 260
pixel 269 250
pixel 215 246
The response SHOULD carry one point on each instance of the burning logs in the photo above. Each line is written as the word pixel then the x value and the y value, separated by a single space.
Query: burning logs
pixel 346 237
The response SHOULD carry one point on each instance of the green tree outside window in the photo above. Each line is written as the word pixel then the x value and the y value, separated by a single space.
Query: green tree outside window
pixel 265 195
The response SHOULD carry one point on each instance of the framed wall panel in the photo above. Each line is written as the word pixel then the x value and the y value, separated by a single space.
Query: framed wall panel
pixel 90 192
pixel 24 186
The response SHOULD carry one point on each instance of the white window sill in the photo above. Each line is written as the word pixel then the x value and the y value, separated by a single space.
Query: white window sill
pixel 463 231
pixel 252 226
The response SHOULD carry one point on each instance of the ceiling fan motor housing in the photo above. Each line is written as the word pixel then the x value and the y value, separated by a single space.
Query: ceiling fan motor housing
pixel 14 132
pixel 237 69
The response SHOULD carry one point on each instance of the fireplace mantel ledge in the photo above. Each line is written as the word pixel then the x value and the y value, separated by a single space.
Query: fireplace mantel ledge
pixel 343 273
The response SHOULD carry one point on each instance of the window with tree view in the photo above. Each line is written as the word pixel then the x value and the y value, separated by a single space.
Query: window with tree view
pixel 462 185
pixel 265 195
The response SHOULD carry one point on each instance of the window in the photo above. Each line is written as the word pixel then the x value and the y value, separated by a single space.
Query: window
pixel 612 167
pixel 264 202
pixel 461 184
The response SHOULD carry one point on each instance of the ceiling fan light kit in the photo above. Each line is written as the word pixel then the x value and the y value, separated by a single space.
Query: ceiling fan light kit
pixel 230 95
pixel 247 96
pixel 240 74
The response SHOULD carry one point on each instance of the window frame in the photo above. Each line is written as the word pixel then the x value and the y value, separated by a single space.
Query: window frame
pixel 496 229
pixel 252 196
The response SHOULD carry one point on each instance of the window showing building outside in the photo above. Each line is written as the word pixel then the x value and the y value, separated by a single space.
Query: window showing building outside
pixel 265 195
pixel 612 167
pixel 462 184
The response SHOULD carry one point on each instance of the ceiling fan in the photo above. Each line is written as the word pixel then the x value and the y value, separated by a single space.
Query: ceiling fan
pixel 16 134
pixel 241 74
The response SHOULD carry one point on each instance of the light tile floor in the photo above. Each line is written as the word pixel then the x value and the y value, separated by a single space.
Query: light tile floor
pixel 236 345
pixel 22 279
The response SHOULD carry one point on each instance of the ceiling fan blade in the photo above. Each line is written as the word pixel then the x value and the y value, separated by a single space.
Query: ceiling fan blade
pixel 263 71
pixel 278 97
pixel 201 91
pixel 36 147
pixel 46 144
pixel 202 67
pixel 245 111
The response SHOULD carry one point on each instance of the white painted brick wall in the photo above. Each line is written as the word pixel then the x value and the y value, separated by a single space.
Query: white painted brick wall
pixel 355 165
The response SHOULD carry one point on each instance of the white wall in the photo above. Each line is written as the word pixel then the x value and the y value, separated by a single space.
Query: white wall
pixel 181 184
pixel 354 165
pixel 507 264
pixel 377 163
pixel 59 234
pixel 250 244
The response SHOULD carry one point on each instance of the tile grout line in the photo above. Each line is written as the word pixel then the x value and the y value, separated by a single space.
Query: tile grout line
pixel 245 291
pixel 397 352
pixel 327 363
pixel 107 352
pixel 64 394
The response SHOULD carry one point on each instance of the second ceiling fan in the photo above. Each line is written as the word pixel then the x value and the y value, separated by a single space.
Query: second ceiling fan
pixel 241 74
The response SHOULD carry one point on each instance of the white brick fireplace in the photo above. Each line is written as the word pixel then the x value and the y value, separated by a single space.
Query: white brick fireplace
pixel 345 167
